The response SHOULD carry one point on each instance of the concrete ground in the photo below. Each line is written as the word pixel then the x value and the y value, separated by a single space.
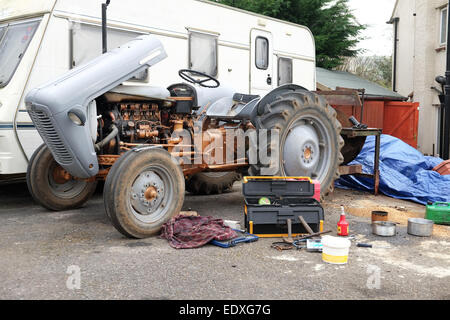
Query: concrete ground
pixel 39 248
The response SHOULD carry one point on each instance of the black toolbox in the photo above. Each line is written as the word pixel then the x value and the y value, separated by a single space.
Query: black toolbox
pixel 289 198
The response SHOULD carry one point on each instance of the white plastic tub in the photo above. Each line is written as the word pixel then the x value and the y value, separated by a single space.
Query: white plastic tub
pixel 335 250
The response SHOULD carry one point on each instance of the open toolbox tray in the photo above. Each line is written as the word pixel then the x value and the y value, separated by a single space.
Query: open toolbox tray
pixel 290 197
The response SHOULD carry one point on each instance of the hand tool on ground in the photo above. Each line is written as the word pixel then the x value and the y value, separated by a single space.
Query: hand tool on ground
pixel 282 246
pixel 289 239
pixel 368 245
pixel 300 244
pixel 307 227
pixel 312 235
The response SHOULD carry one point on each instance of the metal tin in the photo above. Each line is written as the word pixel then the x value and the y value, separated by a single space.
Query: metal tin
pixel 379 216
pixel 420 227
pixel 384 228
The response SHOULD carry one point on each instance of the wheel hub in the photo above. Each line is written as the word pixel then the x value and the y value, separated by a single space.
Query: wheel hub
pixel 61 176
pixel 301 151
pixel 147 193
pixel 151 193
pixel 62 183
pixel 308 152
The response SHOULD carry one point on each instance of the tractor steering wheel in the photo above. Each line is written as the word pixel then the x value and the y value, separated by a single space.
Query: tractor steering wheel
pixel 188 75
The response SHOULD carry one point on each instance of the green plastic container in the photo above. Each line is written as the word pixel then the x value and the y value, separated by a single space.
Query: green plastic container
pixel 439 212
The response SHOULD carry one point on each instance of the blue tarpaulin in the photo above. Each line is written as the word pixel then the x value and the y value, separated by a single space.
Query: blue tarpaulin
pixel 405 173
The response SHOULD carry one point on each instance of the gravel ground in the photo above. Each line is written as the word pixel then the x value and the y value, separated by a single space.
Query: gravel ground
pixel 38 248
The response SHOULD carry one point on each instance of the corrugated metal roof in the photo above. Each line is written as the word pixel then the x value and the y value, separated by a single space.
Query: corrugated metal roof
pixel 332 79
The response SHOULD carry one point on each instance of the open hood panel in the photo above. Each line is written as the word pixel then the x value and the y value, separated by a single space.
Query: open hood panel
pixel 50 104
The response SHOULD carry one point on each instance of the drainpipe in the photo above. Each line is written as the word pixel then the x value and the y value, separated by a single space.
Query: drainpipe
pixel 104 29
pixel 446 130
pixel 441 80
pixel 395 21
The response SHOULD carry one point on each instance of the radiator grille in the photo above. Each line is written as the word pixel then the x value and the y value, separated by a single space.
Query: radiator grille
pixel 45 127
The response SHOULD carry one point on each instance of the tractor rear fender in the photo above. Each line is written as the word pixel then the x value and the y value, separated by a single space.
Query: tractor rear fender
pixel 258 108
pixel 255 108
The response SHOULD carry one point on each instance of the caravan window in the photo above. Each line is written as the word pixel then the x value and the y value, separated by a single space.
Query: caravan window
pixel 14 41
pixel 284 71
pixel 203 53
pixel 87 44
pixel 262 53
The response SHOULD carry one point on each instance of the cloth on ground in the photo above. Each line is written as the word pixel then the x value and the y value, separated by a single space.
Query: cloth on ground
pixel 405 173
pixel 186 232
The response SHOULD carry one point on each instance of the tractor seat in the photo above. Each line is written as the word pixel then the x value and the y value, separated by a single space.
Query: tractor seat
pixel 229 109
pixel 244 98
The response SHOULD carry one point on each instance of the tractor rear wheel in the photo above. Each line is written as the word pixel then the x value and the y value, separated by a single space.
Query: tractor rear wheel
pixel 309 142
pixel 206 183
pixel 52 187
pixel 143 190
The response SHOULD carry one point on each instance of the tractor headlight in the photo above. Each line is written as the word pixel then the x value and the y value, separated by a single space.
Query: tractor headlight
pixel 77 117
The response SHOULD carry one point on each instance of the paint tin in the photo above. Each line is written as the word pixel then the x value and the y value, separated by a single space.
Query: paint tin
pixel 380 216
pixel 335 250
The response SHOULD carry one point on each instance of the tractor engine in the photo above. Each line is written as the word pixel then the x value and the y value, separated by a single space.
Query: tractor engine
pixel 139 122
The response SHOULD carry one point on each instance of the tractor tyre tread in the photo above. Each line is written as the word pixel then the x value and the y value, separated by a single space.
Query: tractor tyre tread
pixel 278 113
pixel 202 184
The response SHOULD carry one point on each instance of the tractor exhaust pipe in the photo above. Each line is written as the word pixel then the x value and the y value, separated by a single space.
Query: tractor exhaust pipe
pixel 104 27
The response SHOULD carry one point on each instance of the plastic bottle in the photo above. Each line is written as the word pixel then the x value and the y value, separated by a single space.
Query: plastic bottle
pixel 343 226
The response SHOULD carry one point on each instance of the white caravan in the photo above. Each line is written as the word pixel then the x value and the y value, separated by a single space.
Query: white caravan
pixel 42 39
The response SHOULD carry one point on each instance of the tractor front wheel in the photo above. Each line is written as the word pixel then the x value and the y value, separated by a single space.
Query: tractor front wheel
pixel 143 190
pixel 52 187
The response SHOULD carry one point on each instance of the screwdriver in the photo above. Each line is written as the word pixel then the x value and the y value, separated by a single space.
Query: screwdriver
pixel 368 245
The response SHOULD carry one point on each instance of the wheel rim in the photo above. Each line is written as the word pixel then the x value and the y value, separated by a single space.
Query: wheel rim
pixel 150 195
pixel 65 190
pixel 307 149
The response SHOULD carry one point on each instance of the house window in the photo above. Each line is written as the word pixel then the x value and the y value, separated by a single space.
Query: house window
pixel 444 23
pixel 262 53
pixel 203 53
pixel 284 71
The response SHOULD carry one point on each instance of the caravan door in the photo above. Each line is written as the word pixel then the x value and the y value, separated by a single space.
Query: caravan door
pixel 261 64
